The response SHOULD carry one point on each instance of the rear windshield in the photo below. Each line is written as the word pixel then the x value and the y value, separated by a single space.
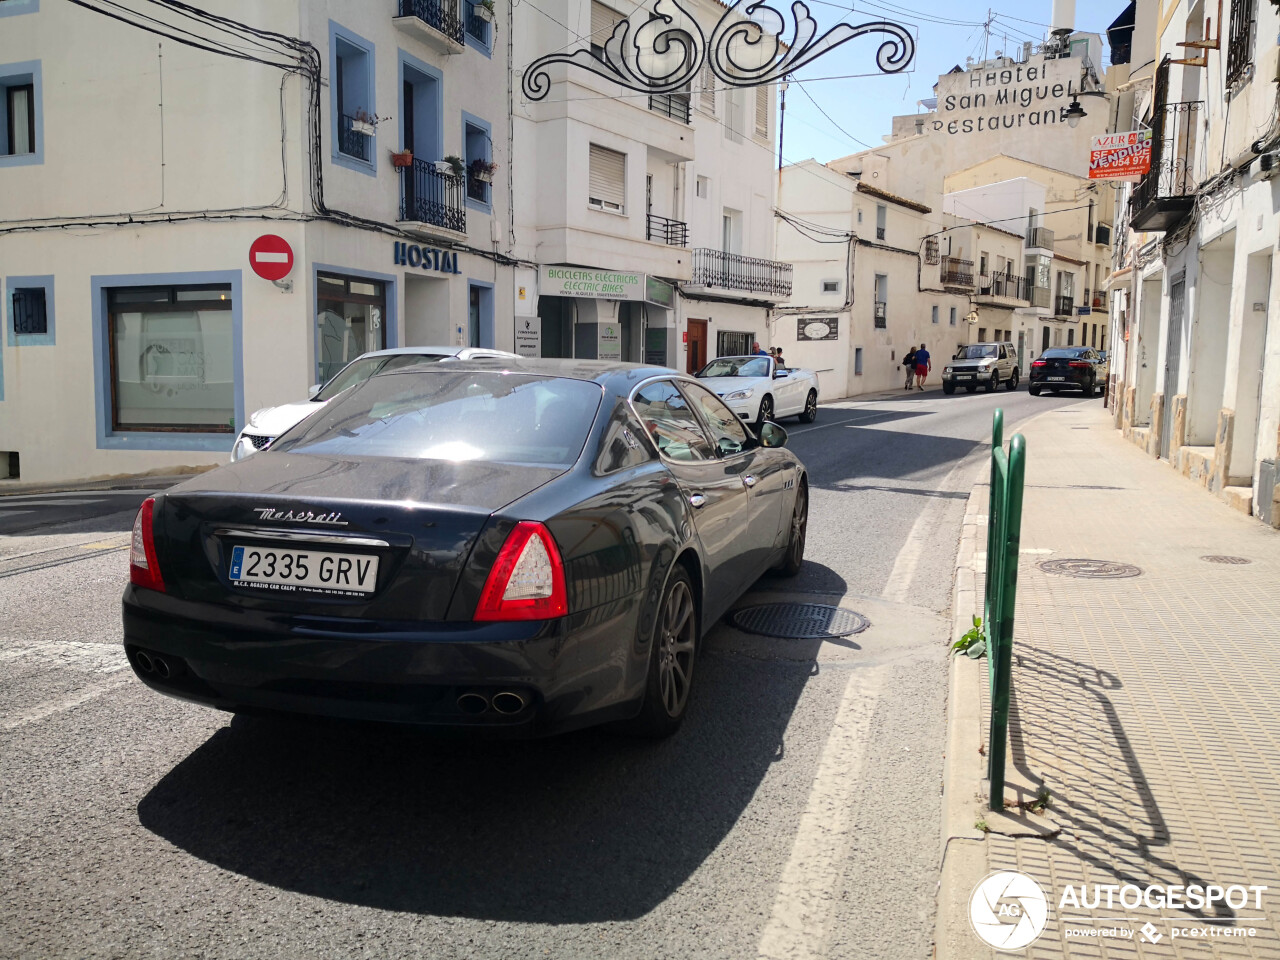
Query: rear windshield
pixel 431 414
pixel 977 351
pixel 1062 352
pixel 361 369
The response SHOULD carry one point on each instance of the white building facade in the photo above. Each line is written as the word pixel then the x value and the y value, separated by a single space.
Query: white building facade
pixel 138 333
pixel 1195 292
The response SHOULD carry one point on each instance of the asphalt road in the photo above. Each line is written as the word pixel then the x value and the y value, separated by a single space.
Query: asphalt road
pixel 796 814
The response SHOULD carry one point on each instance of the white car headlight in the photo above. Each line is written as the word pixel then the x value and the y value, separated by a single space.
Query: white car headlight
pixel 741 394
pixel 243 448
pixel 949 370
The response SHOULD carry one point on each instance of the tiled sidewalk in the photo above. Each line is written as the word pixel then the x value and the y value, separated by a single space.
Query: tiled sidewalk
pixel 1149 706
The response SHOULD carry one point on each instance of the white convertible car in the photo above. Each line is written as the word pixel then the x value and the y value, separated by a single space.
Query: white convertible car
pixel 756 389
pixel 269 422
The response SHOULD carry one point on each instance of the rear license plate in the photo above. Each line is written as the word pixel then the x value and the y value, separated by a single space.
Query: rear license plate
pixel 964 376
pixel 1057 378
pixel 275 569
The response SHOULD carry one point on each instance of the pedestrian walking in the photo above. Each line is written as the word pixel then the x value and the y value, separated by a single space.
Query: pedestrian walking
pixel 909 361
pixel 922 366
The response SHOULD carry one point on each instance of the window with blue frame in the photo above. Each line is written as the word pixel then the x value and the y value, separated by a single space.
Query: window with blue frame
pixel 30 312
pixel 478 18
pixel 352 78
pixel 20 113
pixel 480 165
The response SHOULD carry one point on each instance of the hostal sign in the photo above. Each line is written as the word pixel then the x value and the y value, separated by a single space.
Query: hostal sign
pixel 1013 98
pixel 426 258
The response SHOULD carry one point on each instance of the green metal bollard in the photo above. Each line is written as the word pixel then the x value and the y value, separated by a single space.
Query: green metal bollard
pixel 1012 471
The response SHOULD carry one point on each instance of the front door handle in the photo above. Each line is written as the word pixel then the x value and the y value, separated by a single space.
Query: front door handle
pixel 749 480
pixel 697 500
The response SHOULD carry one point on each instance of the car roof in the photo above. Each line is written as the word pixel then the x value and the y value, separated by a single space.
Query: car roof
pixel 429 351
pixel 612 375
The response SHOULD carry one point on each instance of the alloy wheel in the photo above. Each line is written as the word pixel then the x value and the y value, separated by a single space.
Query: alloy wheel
pixel 799 527
pixel 675 648
pixel 766 410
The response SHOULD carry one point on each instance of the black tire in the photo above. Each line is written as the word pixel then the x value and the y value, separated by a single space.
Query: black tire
pixel 1033 390
pixel 991 384
pixel 793 560
pixel 810 412
pixel 970 388
pixel 1012 382
pixel 671 661
pixel 765 412
pixel 948 388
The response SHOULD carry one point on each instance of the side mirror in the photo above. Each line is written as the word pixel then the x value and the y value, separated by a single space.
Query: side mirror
pixel 313 390
pixel 779 374
pixel 772 435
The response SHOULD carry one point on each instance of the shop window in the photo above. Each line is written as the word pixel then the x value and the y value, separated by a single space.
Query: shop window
pixel 480 326
pixel 477 149
pixel 607 179
pixel 30 310
pixel 20 116
pixel 172 359
pixel 351 78
pixel 732 343
pixel 350 320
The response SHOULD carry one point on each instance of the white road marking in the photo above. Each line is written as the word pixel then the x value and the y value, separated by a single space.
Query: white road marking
pixel 51 708
pixel 798 925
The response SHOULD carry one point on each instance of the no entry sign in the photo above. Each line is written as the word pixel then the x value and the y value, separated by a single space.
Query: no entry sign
pixel 271 257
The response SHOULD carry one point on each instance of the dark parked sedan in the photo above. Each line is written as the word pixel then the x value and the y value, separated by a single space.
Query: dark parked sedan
pixel 1067 368
pixel 524 546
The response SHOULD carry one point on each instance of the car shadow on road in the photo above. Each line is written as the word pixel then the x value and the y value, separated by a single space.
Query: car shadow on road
pixel 587 827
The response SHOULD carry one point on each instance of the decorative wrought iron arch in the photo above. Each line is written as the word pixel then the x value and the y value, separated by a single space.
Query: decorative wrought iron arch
pixel 664 51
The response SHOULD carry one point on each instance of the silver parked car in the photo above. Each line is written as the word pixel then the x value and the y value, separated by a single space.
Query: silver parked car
pixel 985 365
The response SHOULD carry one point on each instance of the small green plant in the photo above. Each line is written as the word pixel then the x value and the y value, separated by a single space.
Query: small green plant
pixel 457 163
pixel 1041 802
pixel 973 643
pixel 981 824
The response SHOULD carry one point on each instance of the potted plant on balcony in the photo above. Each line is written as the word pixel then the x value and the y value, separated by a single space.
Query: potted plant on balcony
pixel 484 10
pixel 402 159
pixel 481 170
pixel 363 123
pixel 452 166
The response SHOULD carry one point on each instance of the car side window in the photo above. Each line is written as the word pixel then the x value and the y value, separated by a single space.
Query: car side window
pixel 670 422
pixel 727 432
pixel 622 446
pixel 1003 355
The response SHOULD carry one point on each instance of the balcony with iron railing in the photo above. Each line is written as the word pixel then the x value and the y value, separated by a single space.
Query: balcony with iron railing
pixel 433 199
pixel 1240 41
pixel 1040 238
pixel 1064 306
pixel 434 22
pixel 1002 286
pixel 352 142
pixel 674 233
pixel 957 272
pixel 716 269
pixel 1166 194
pixel 673 105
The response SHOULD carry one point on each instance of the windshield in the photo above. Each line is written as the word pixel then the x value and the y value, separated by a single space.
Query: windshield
pixel 736 367
pixel 362 368
pixel 437 414
pixel 1067 352
pixel 977 351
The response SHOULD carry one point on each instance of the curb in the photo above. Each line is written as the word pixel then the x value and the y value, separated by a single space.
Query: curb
pixel 157 481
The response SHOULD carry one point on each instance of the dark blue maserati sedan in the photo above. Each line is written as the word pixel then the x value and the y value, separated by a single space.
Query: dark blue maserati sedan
pixel 524 546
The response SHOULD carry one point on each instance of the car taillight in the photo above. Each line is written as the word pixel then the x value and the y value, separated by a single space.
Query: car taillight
pixel 1079 363
pixel 1039 363
pixel 527 579
pixel 144 569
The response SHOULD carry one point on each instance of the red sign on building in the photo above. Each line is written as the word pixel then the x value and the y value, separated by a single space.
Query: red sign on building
pixel 1120 156
pixel 271 257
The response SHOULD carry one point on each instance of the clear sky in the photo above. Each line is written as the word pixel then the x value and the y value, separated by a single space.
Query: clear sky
pixel 862 108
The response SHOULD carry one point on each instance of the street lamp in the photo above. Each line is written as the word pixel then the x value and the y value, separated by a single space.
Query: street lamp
pixel 1075 113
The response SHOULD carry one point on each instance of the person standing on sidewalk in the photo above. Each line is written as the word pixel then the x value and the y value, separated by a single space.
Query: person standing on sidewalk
pixel 922 367
pixel 909 361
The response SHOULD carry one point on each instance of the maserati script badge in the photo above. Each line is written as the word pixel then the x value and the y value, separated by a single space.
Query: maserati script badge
pixel 298 516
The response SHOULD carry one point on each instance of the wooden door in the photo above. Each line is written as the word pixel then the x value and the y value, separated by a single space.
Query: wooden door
pixel 696 357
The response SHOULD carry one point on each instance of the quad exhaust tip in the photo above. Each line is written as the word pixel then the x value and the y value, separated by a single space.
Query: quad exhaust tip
pixel 508 702
pixel 144 661
pixel 472 703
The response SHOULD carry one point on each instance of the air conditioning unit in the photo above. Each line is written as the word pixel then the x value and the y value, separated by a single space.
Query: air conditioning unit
pixel 1269 165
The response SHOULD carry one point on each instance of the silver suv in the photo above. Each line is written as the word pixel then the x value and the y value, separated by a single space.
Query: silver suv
pixel 985 365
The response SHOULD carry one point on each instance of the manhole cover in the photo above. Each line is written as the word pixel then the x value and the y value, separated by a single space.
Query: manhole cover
pixel 1217 559
pixel 1098 569
pixel 799 621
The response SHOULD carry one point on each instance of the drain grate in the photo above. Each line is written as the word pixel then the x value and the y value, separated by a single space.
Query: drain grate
pixel 799 621
pixel 1093 569
pixel 1225 559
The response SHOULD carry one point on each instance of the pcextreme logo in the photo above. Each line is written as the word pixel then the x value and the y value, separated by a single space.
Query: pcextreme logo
pixel 1008 910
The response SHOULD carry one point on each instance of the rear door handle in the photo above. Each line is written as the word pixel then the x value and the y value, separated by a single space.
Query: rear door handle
pixel 749 480
pixel 697 500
